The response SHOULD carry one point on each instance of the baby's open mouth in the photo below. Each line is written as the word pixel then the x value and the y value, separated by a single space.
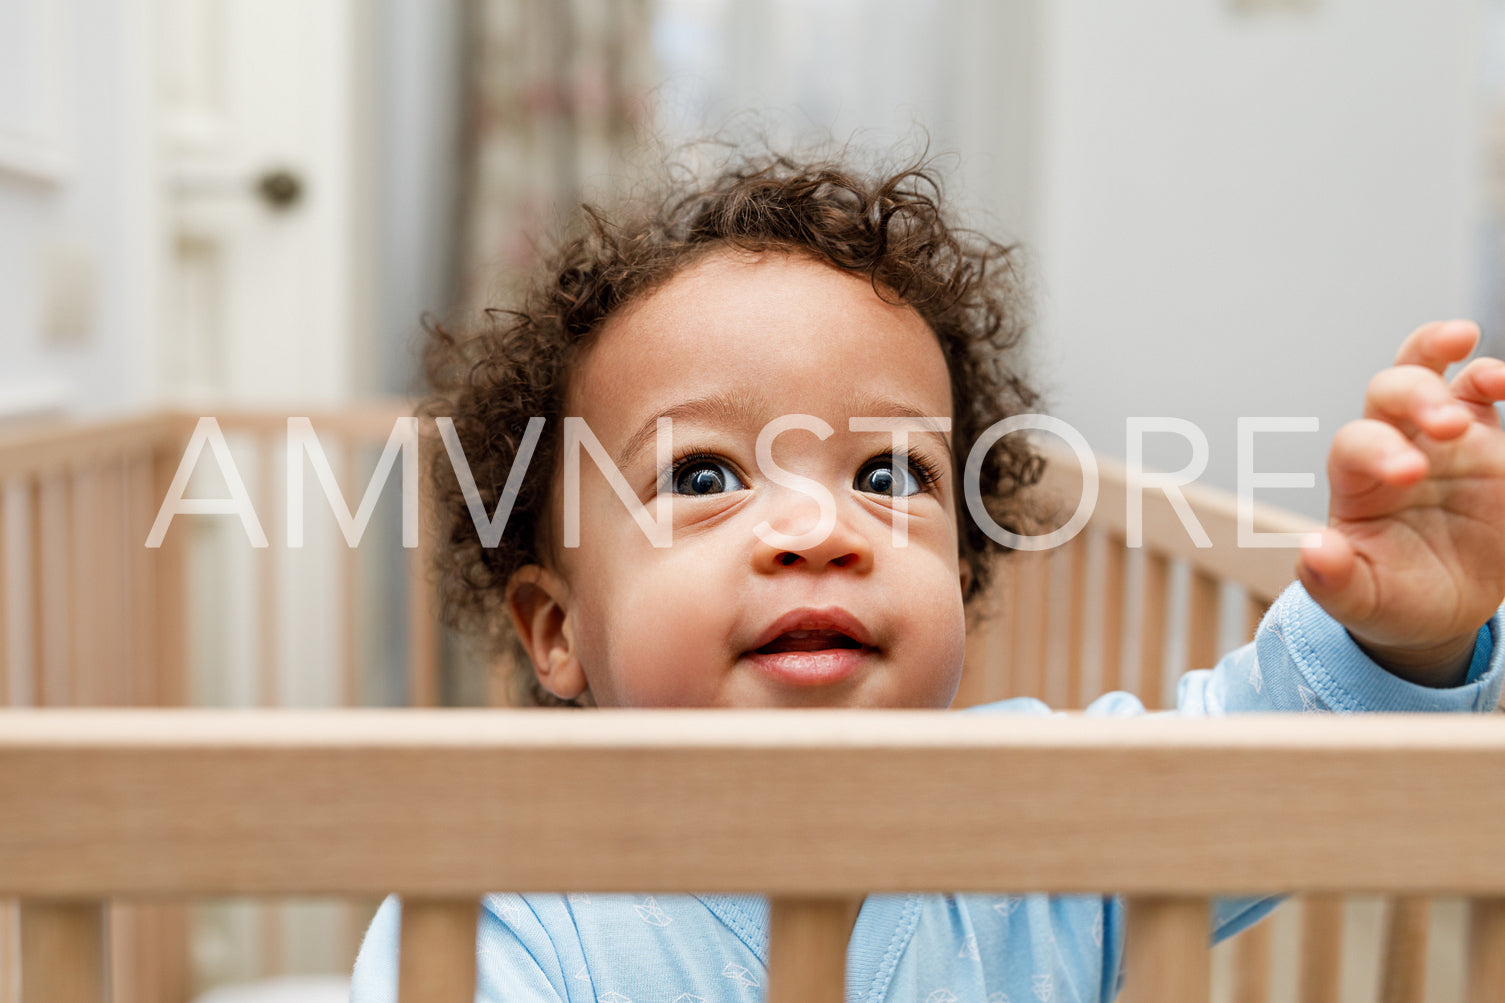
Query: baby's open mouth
pixel 813 647
pixel 809 640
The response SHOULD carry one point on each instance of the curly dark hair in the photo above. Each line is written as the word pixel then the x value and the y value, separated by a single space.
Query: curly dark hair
pixel 889 227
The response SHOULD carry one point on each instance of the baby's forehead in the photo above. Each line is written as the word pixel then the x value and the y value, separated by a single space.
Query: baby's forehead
pixel 732 276
pixel 781 331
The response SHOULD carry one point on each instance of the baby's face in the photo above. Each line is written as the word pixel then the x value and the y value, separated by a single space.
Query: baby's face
pixel 722 617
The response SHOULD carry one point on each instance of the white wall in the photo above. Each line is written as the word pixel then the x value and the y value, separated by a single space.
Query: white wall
pixel 1226 210
pixel 96 213
pixel 1242 213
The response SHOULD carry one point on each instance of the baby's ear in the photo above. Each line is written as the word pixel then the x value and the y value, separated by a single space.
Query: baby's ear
pixel 538 601
pixel 966 575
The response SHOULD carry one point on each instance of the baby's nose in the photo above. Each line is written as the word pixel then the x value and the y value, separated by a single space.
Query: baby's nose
pixel 797 538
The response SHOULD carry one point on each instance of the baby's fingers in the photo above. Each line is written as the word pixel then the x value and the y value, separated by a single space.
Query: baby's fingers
pixel 1370 452
pixel 1482 381
pixel 1438 345
pixel 1415 398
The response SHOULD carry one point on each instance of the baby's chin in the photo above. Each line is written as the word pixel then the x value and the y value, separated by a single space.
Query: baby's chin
pixel 885 686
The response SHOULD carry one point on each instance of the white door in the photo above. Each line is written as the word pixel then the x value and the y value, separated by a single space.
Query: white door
pixel 259 128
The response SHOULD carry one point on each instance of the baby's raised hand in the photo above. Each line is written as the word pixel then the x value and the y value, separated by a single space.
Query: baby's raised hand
pixel 1413 560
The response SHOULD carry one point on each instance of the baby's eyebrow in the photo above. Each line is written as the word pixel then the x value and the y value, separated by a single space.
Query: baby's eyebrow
pixel 743 408
pixel 887 407
pixel 716 408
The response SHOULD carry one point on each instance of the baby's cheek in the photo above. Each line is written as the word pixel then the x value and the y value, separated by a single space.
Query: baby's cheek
pixel 935 621
pixel 670 640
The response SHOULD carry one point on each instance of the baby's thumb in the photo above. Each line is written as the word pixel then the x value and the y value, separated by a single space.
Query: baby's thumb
pixel 1326 568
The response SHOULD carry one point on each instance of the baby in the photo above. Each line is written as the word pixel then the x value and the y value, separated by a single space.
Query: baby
pixel 828 347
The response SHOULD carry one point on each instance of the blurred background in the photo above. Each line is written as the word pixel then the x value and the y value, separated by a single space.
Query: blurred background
pixel 1226 207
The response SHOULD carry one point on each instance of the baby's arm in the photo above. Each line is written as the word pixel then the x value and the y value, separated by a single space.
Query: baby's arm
pixel 1413 560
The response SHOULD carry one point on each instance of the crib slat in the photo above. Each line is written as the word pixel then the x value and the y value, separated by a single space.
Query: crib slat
pixel 91 591
pixel 86 587
pixel 1202 621
pixel 1114 562
pixel 41 560
pixel 10 969
pixel 1027 632
pixel 1055 663
pixel 1321 944
pixel 63 952
pixel 423 627
pixel 1403 975
pixel 8 959
pixel 999 679
pixel 36 581
pixel 114 634
pixel 1486 950
pixel 82 610
pixel 145 960
pixel 349 583
pixel 807 948
pixel 170 671
pixel 141 581
pixel 982 678
pixel 1076 624
pixel 161 959
pixel 1251 965
pixel 437 963
pixel 1166 959
pixel 269 636
pixel 116 688
pixel 1038 624
pixel 123 947
pixel 1003 669
pixel 269 946
pixel 6 613
pixel 1156 590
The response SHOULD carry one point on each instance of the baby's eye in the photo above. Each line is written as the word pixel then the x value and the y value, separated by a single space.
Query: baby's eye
pixel 705 477
pixel 881 477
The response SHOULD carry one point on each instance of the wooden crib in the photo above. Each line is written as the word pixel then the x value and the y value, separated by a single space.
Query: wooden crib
pixel 827 806
pixel 89 617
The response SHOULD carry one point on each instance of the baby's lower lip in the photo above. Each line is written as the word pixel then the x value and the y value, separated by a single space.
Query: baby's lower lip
pixel 811 668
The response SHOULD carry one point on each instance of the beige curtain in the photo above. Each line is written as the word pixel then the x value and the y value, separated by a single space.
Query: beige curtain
pixel 558 100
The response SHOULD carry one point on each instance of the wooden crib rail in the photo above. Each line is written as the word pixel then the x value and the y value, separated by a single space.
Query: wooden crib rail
pixel 813 808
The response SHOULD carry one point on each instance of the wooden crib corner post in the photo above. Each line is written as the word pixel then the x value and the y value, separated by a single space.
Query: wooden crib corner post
pixel 63 952
pixel 437 957
pixel 807 948
pixel 1166 956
